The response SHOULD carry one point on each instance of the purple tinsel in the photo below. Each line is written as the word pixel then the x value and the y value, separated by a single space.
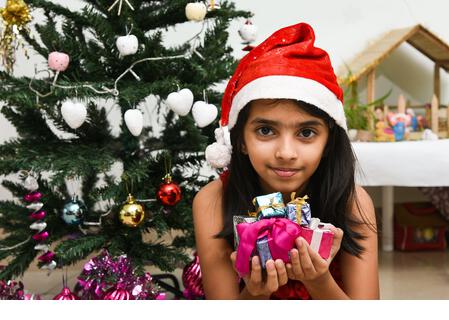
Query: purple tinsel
pixel 104 274
pixel 13 290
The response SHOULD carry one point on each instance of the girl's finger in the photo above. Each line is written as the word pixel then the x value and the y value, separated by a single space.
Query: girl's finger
pixel 256 271
pixel 233 258
pixel 281 271
pixel 304 258
pixel 272 278
pixel 338 237
pixel 317 261
pixel 296 265
pixel 290 273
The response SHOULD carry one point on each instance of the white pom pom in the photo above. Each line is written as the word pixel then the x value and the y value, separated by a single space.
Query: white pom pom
pixel 218 155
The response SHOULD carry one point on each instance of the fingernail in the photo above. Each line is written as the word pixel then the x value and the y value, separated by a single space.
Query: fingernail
pixel 298 242
pixel 256 262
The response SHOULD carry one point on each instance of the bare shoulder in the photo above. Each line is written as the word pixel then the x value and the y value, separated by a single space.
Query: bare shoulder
pixel 363 207
pixel 360 275
pixel 208 199
pixel 213 188
pixel 218 276
pixel 207 210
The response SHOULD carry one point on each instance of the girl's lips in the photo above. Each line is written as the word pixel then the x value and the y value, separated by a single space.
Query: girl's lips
pixel 284 173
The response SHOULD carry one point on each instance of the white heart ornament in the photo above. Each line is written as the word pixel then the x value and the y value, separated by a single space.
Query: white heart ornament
pixel 180 102
pixel 74 113
pixel 134 121
pixel 127 45
pixel 196 11
pixel 204 113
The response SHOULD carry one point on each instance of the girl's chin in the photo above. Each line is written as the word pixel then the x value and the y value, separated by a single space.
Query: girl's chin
pixel 285 187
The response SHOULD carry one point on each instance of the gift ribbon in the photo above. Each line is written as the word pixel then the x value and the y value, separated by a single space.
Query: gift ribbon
pixel 274 206
pixel 298 203
pixel 317 234
pixel 280 232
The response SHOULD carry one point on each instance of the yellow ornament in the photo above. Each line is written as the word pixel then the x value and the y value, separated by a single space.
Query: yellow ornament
pixel 428 234
pixel 132 213
pixel 15 15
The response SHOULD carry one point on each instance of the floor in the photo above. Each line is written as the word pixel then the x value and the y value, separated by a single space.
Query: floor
pixel 414 275
pixel 403 275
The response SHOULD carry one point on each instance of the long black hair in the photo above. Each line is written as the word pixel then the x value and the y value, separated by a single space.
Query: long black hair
pixel 331 188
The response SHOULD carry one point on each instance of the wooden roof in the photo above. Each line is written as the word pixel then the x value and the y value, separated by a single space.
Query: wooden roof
pixel 419 37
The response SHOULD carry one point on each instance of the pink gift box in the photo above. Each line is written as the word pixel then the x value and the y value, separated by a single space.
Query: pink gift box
pixel 319 239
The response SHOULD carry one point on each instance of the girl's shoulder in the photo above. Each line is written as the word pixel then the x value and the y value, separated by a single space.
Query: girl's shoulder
pixel 362 208
pixel 207 203
pixel 210 193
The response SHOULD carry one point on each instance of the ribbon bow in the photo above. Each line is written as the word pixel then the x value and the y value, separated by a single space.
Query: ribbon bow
pixel 281 234
pixel 275 206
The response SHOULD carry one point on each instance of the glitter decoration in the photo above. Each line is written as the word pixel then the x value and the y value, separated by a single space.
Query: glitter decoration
pixel 16 16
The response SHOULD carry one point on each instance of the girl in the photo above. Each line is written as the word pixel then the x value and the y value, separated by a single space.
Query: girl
pixel 284 110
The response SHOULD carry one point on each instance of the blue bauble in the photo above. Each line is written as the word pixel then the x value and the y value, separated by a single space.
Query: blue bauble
pixel 74 212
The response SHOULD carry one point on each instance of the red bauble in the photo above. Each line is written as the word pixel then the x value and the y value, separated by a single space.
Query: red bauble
pixel 118 294
pixel 169 192
pixel 193 280
pixel 65 294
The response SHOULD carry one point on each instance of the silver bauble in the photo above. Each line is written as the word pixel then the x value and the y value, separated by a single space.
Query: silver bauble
pixel 74 211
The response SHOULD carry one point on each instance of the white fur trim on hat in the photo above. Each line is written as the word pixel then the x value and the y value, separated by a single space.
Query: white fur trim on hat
pixel 288 87
pixel 218 154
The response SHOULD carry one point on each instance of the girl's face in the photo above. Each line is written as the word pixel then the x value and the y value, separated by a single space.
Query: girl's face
pixel 284 144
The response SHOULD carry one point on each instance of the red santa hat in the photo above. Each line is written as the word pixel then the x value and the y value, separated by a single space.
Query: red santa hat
pixel 287 65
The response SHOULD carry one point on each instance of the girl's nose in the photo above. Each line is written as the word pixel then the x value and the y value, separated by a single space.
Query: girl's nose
pixel 286 150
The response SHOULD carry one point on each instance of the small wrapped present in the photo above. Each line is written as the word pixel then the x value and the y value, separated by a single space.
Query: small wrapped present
pixel 263 250
pixel 278 234
pixel 306 214
pixel 270 206
pixel 318 238
pixel 294 208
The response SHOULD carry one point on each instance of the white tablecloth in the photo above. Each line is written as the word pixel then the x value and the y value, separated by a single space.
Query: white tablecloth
pixel 407 163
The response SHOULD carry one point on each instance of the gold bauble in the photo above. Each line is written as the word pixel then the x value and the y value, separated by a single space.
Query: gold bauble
pixel 132 213
pixel 15 16
pixel 16 12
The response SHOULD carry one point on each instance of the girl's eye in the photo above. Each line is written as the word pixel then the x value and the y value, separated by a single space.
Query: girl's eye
pixel 307 133
pixel 265 131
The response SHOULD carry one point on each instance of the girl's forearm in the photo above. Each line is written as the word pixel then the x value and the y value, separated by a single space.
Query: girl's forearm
pixel 325 288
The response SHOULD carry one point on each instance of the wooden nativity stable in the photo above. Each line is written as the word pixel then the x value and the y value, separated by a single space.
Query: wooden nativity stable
pixel 366 62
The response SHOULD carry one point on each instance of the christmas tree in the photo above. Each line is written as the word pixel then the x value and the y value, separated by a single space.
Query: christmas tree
pixel 64 156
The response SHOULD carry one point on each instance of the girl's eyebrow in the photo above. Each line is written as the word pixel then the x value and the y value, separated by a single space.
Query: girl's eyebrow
pixel 258 120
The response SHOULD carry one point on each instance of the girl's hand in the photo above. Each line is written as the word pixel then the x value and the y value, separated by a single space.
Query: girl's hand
pixel 306 264
pixel 276 276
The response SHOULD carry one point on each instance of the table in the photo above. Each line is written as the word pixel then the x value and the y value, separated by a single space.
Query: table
pixel 407 164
